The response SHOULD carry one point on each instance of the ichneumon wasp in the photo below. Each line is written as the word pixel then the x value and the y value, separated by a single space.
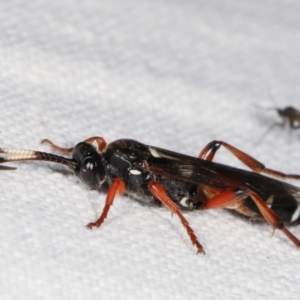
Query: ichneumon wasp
pixel 156 176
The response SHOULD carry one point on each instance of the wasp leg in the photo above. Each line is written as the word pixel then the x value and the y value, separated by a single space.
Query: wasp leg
pixel 159 192
pixel 118 187
pixel 233 198
pixel 210 150
pixel 282 125
pixel 99 140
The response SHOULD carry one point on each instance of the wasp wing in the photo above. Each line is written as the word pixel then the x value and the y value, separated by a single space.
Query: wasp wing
pixel 218 177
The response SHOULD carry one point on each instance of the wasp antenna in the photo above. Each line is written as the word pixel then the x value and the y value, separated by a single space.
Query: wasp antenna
pixel 26 155
pixel 7 168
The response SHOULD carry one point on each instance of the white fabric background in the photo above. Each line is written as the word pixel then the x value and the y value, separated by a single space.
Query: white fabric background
pixel 175 74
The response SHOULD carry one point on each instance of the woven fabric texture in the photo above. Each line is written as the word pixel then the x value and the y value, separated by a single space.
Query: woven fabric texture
pixel 174 74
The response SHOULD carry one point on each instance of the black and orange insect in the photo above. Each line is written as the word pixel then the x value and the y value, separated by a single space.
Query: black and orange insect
pixel 157 176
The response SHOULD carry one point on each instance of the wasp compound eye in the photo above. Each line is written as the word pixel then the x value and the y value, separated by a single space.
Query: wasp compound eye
pixel 88 170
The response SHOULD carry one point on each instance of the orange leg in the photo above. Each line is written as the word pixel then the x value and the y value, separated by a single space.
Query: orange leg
pixel 118 187
pixel 210 150
pixel 225 199
pixel 99 140
pixel 232 196
pixel 159 192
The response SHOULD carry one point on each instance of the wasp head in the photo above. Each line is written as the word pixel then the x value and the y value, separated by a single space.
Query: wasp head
pixel 90 168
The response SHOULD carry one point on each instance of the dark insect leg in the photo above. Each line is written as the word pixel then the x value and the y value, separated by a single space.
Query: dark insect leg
pixel 99 140
pixel 118 187
pixel 159 192
pixel 282 125
pixel 235 197
pixel 210 150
